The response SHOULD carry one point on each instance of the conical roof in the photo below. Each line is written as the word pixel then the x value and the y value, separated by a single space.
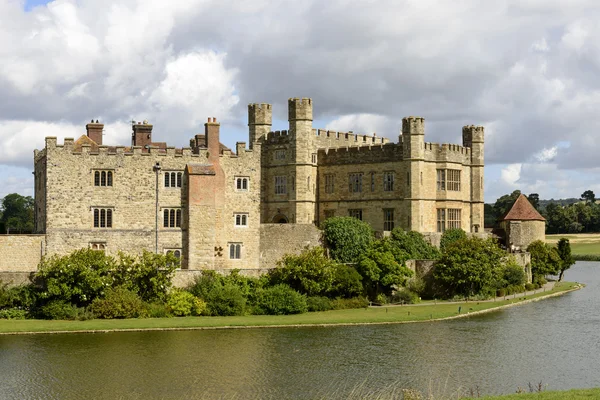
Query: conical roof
pixel 522 210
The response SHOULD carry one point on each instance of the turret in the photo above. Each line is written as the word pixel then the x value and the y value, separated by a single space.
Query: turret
pixel 300 109
pixel 473 138
pixel 259 121
pixel 413 137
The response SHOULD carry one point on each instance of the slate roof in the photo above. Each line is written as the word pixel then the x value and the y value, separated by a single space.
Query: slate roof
pixel 522 210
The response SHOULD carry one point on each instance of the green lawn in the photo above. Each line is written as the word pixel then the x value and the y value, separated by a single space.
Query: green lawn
pixel 369 315
pixel 583 243
pixel 567 395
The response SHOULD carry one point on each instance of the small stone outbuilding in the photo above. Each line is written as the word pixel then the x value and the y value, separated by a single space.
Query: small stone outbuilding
pixel 522 224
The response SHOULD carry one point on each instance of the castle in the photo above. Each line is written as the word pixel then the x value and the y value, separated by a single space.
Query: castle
pixel 221 209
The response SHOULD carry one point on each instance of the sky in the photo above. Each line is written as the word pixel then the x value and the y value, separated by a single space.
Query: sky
pixel 527 70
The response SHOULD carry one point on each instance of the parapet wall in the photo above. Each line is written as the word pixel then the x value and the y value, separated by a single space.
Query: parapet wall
pixel 389 152
pixel 277 240
pixel 21 253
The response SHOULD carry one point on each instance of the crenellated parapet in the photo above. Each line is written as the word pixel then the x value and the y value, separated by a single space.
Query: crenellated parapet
pixel 413 125
pixel 378 153
pixel 447 152
pixel 300 109
pixel 328 138
pixel 472 134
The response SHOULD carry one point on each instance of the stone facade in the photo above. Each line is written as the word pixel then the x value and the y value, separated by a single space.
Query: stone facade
pixel 21 253
pixel 215 207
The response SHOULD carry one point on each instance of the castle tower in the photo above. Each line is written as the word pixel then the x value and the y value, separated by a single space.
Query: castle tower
pixel 303 191
pixel 259 121
pixel 473 138
pixel 413 145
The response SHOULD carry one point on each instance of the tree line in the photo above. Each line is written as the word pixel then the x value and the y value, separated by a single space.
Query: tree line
pixel 562 216
pixel 16 214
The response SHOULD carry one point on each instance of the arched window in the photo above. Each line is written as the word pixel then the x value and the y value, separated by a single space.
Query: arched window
pixel 109 218
pixel 177 253
pixel 167 180
pixel 102 218
pixel 172 219
pixel 235 251
pixel 178 219
pixel 109 178
pixel 97 178
pixel 103 178
pixel 179 175
pixel 96 218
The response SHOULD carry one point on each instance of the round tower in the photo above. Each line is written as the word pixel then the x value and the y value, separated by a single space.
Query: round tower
pixel 260 117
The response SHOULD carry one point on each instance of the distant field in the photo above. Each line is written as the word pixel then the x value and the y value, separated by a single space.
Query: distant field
pixel 582 243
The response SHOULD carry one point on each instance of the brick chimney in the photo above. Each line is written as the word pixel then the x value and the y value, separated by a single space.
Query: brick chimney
pixel 94 131
pixel 142 135
pixel 211 132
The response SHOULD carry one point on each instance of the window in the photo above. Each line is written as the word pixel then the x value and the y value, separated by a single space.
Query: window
pixel 98 246
pixel 388 219
pixel 241 219
pixel 448 219
pixel 172 218
pixel 372 181
pixel 175 252
pixel 314 158
pixel 388 181
pixel 280 185
pixel 103 217
pixel 329 213
pixel 355 213
pixel 173 179
pixel 408 179
pixel 355 183
pixel 280 154
pixel 329 183
pixel 103 178
pixel 448 179
pixel 235 251
pixel 242 183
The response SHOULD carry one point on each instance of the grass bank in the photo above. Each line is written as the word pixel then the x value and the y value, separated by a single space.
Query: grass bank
pixel 576 394
pixel 379 315
pixel 582 244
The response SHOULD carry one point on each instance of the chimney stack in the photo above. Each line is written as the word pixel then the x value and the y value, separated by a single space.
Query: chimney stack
pixel 211 132
pixel 142 135
pixel 94 131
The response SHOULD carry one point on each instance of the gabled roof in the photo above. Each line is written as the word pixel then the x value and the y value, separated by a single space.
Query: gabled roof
pixel 522 210
pixel 84 139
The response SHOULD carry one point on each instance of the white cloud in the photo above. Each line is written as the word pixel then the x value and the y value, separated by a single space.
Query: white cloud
pixel 511 174
pixel 540 46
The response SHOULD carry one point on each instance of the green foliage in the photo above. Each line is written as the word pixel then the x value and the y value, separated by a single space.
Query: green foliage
pixel 347 238
pixel 280 300
pixel 16 214
pixel 417 285
pixel 469 267
pixel 382 267
pixel 22 297
pixel 545 259
pixel 13 313
pixel 588 196
pixel 346 282
pixel 118 302
pixel 405 296
pixel 566 259
pixel 225 300
pixel 504 203
pixel 59 309
pixel 318 303
pixel 347 304
pixel 149 276
pixel 572 218
pixel 77 278
pixel 450 236
pixel 182 303
pixel 310 272
pixel 157 310
pixel 513 275
pixel 530 286
pixel 414 245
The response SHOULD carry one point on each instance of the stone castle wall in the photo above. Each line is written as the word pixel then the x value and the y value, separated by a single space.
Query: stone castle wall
pixel 277 240
pixel 21 253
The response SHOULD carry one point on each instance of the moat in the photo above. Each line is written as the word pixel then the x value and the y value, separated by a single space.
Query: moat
pixel 555 341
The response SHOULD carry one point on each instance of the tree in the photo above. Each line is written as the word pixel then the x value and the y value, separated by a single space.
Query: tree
pixel 347 238
pixel 470 266
pixel 545 260
pixel 588 196
pixel 504 203
pixel 534 199
pixel 564 252
pixel 413 244
pixel 17 214
pixel 450 236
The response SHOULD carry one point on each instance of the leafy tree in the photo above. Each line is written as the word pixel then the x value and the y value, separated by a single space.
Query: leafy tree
pixel 534 199
pixel 588 196
pixel 413 244
pixel 450 236
pixel 17 214
pixel 545 259
pixel 504 203
pixel 564 252
pixel 382 268
pixel 347 238
pixel 470 266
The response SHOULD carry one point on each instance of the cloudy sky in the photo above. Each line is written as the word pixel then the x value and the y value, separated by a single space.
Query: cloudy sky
pixel 528 70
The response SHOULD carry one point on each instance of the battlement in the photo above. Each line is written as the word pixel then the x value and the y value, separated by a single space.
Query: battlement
pixel 260 114
pixel 383 152
pixel 413 125
pixel 300 109
pixel 327 138
pixel 472 134
pixel 447 152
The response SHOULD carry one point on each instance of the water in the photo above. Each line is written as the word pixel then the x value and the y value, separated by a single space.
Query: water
pixel 555 341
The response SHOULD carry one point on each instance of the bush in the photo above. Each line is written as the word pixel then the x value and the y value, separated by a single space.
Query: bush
pixel 347 238
pixel 414 245
pixel 23 297
pixel 416 285
pixel 513 274
pixel 59 309
pixel 501 292
pixel 157 310
pixel 182 303
pixel 118 303
pixel 450 236
pixel 405 296
pixel 346 282
pixel 13 313
pixel 539 280
pixel 318 303
pixel 280 300
pixel 530 286
pixel 346 304
pixel 225 300
pixel 205 283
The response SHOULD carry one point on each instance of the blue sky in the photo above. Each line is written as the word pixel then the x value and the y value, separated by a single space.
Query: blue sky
pixel 528 71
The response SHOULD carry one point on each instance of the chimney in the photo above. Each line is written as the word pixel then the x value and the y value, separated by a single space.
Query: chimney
pixel 211 132
pixel 142 135
pixel 94 131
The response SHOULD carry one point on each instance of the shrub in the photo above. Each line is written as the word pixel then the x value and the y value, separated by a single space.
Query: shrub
pixel 225 300
pixel 182 303
pixel 530 286
pixel 513 274
pixel 347 238
pixel 59 309
pixel 318 303
pixel 280 300
pixel 405 296
pixel 501 292
pixel 539 280
pixel 345 304
pixel 118 303
pixel 414 245
pixel 545 259
pixel 13 313
pixel 205 283
pixel 157 310
pixel 417 285
pixel 346 282
pixel 309 272
pixel 450 236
